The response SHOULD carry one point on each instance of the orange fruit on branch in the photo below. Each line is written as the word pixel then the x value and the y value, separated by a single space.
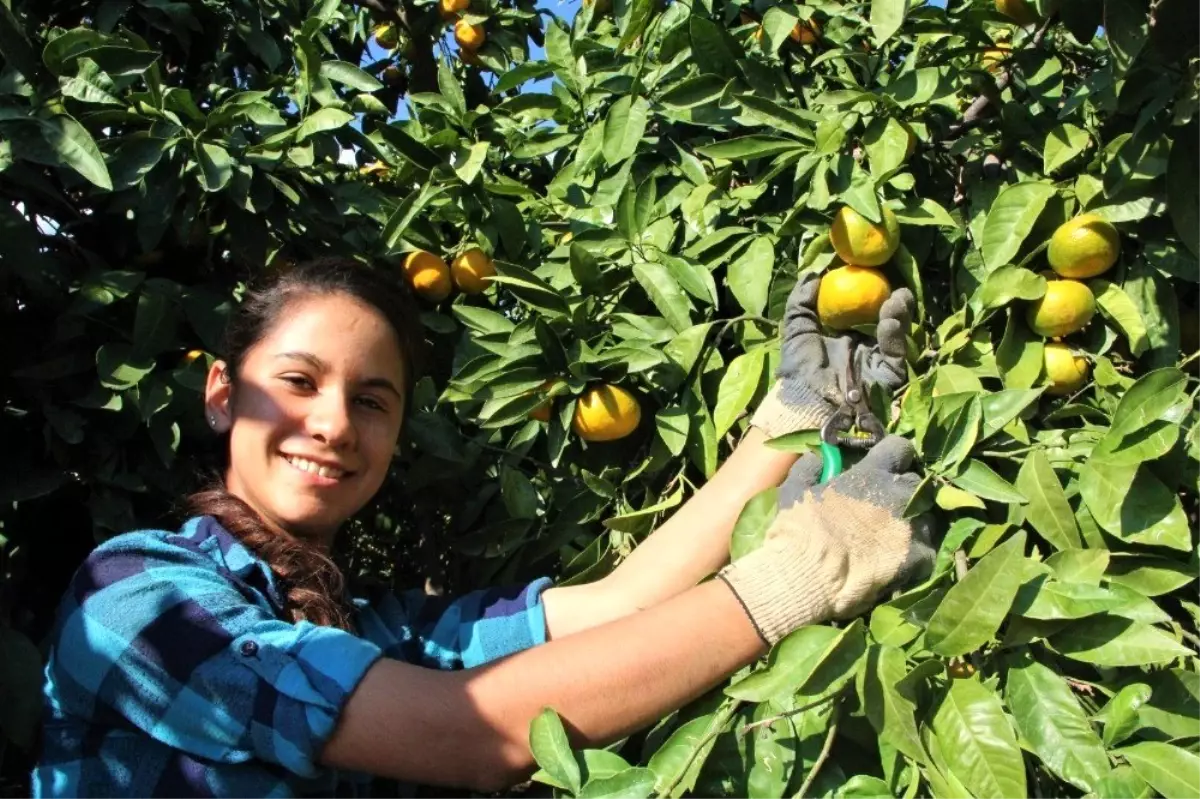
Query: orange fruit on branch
pixel 851 295
pixel 606 413
pixel 472 271
pixel 861 242
pixel 1085 246
pixel 1066 372
pixel 449 9
pixel 469 37
pixel 1066 307
pixel 428 274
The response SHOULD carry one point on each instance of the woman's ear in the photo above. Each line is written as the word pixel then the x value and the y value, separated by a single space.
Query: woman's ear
pixel 217 394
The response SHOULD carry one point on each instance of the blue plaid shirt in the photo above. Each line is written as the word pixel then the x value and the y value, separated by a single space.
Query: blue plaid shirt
pixel 172 672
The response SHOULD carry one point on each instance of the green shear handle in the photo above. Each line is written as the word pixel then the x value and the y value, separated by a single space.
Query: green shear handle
pixel 836 432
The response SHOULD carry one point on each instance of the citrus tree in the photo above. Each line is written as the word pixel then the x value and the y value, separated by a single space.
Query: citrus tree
pixel 602 263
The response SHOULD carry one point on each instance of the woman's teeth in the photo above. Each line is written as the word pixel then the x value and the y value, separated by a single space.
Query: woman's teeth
pixel 305 465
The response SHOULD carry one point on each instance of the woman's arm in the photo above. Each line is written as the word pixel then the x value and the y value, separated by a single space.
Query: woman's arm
pixel 826 555
pixel 471 728
pixel 691 545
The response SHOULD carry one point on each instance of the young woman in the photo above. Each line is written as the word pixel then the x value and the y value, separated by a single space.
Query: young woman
pixel 224 659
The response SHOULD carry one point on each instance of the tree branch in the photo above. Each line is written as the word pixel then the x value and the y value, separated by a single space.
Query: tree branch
pixel 825 750
pixel 980 104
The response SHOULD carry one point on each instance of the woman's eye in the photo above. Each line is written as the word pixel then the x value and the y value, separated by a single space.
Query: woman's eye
pixel 298 381
pixel 372 403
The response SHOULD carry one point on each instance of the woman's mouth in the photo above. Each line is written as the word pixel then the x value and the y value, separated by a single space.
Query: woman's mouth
pixel 322 474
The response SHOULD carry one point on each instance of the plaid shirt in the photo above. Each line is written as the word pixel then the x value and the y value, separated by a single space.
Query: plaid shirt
pixel 172 672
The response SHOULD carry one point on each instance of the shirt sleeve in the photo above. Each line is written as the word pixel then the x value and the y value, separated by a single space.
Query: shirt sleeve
pixel 444 633
pixel 153 633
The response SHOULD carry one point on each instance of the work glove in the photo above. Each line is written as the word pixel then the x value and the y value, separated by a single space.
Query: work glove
pixel 833 548
pixel 811 380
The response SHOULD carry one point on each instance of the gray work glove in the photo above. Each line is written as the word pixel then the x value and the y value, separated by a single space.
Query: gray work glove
pixel 834 548
pixel 811 380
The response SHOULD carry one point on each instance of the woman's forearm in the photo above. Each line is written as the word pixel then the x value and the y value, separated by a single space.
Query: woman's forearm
pixel 688 547
pixel 471 728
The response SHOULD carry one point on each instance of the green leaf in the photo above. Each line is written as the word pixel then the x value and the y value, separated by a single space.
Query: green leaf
pixel 1062 144
pixel 953 429
pixel 1001 407
pixel 746 148
pixel 971 612
pixel 1125 27
pixel 1128 501
pixel 1171 770
pixel 448 85
pixel 1112 641
pixel 1007 283
pixel 777 116
pixel 552 750
pixel 789 665
pixel 979 478
pixel 346 73
pixel 75 147
pixel 1079 565
pixel 411 149
pixel 1120 310
pixel 886 18
pixel 1053 724
pixel 1010 220
pixel 119 368
pixel 679 759
pixel 1145 402
pixel 1048 510
pixel 322 120
pixel 639 19
pixel 1123 782
pixel 749 277
pixel 530 289
pixel 216 167
pixel 632 782
pixel 886 142
pixel 1047 600
pixel 1121 717
pixel 976 740
pixel 752 523
pixel 838 664
pixel 624 127
pixel 468 168
pixel 924 211
pixel 891 712
pixel 406 211
pixel 1182 202
pixel 771 753
pixel 693 277
pixel 694 91
pixel 737 388
pixel 1020 355
pixel 672 425
pixel 1149 575
pixel 662 289
pixel 711 47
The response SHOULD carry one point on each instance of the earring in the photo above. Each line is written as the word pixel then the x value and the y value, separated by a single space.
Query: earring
pixel 212 421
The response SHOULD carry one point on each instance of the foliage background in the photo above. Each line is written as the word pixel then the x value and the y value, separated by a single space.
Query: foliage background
pixel 154 154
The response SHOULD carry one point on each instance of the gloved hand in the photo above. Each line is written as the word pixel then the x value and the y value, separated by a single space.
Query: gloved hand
pixel 834 547
pixel 811 380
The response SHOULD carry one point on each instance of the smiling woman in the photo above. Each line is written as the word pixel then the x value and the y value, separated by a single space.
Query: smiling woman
pixel 228 658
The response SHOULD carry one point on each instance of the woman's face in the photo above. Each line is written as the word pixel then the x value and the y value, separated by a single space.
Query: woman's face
pixel 314 414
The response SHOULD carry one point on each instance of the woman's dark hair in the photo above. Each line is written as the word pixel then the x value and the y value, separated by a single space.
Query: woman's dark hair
pixel 311 584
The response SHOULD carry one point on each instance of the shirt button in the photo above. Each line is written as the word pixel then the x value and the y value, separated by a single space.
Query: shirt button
pixel 249 649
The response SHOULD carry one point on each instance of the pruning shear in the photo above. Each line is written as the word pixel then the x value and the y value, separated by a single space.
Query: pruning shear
pixel 852 425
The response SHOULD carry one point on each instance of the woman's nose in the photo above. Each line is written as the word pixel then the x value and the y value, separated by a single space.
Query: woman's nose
pixel 329 420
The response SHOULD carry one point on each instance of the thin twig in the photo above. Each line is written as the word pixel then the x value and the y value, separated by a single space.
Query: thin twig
pixel 821 758
pixel 788 714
